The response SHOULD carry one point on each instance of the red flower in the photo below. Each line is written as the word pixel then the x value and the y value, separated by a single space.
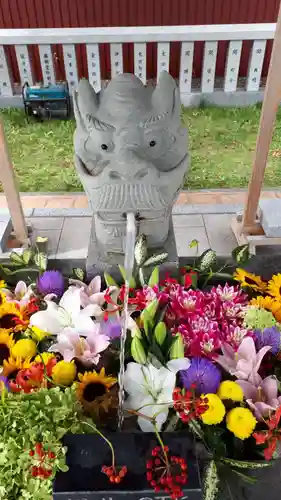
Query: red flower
pixel 272 436
pixel 188 406
pixel 32 378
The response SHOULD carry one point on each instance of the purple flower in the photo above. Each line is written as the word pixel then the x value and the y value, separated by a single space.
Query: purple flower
pixel 51 282
pixel 4 383
pixel 112 329
pixel 269 337
pixel 203 374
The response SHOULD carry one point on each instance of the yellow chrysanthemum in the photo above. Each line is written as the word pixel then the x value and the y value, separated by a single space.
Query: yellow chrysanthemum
pixel 64 372
pixel 274 286
pixel 249 280
pixel 6 344
pixel 269 304
pixel 24 348
pixel 12 365
pixel 44 357
pixel 216 410
pixel 96 393
pixel 230 390
pixel 9 313
pixel 37 334
pixel 241 422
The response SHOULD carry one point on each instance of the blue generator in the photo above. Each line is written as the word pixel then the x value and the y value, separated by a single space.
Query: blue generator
pixel 42 102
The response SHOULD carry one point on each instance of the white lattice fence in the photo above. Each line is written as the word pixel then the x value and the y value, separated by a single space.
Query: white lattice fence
pixel 229 91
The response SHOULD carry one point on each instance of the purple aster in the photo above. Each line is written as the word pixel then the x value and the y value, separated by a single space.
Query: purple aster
pixel 269 336
pixel 51 282
pixel 203 374
pixel 112 329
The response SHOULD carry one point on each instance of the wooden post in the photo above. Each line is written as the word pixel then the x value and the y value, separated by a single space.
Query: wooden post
pixel 271 101
pixel 8 180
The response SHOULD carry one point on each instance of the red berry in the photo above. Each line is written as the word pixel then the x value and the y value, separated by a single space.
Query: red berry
pixel 51 455
pixel 118 479
pixel 153 483
pixel 112 479
pixel 157 461
pixel 149 464
pixel 149 476
pixel 157 489
pixel 31 453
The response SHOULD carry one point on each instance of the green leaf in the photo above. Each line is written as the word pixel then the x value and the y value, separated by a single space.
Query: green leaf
pixel 195 427
pixel 154 277
pixel 240 464
pixel 16 258
pixel 141 276
pixel 207 260
pixel 132 281
pixel 241 254
pixel 210 482
pixel 26 256
pixel 6 270
pixel 79 273
pixel 247 479
pixel 156 259
pixel 140 250
pixel 193 244
pixel 40 259
pixel 109 280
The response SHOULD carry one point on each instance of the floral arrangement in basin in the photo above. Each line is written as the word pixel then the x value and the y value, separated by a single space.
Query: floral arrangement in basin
pixel 203 360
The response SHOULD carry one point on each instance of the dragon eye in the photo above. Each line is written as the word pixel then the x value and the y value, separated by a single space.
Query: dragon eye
pixel 152 144
pixel 104 147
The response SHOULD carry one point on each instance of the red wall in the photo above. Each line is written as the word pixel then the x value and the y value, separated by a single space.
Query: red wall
pixel 75 13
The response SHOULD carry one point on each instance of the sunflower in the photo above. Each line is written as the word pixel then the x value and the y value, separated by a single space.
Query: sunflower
pixel 6 344
pixel 95 392
pixel 10 314
pixel 274 286
pixel 250 280
pixel 12 366
pixel 3 297
pixel 269 304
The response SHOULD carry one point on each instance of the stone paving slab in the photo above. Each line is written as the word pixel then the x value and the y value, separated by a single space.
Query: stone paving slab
pixel 68 230
pixel 74 238
pixel 185 235
pixel 79 199
pixel 220 235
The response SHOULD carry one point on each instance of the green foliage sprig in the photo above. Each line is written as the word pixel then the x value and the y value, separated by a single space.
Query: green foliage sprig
pixel 25 419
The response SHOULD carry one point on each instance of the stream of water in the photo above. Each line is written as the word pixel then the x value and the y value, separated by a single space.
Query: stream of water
pixel 128 264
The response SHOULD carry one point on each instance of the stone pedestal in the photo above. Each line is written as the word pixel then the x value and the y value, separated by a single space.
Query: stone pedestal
pixel 99 260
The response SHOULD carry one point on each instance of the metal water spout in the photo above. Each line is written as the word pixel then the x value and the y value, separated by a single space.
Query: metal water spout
pixel 131 231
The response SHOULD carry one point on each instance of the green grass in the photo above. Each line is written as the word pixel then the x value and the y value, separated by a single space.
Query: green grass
pixel 222 142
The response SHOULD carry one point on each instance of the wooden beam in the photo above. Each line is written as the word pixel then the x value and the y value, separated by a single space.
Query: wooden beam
pixel 8 180
pixel 271 101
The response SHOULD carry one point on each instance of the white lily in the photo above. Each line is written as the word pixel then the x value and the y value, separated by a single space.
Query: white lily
pixel 67 314
pixel 90 294
pixel 150 390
